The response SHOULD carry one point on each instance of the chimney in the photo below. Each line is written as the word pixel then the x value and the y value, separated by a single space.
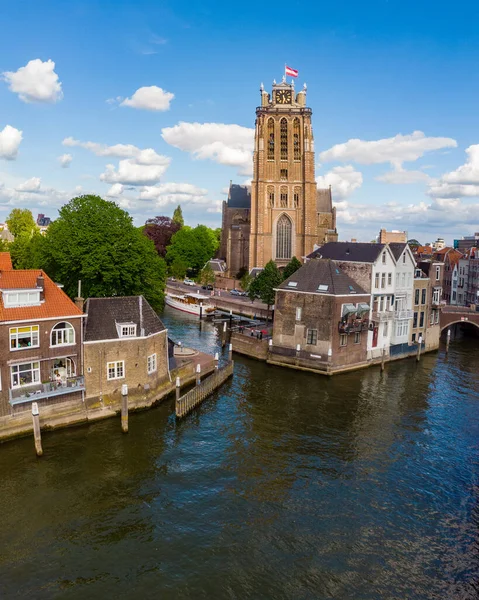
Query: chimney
pixel 41 286
pixel 79 302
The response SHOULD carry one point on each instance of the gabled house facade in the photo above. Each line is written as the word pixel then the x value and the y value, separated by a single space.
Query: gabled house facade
pixel 403 296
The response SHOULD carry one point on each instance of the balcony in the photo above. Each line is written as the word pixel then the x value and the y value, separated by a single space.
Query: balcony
pixel 39 391
pixel 401 315
pixel 353 326
pixel 383 316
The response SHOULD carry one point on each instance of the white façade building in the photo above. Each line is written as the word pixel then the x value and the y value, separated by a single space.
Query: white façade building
pixel 403 293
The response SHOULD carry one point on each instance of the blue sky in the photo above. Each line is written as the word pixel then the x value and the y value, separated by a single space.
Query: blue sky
pixel 165 93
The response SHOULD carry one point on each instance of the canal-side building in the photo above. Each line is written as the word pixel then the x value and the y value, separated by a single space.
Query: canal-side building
pixel 321 320
pixel 403 298
pixel 125 342
pixel 40 344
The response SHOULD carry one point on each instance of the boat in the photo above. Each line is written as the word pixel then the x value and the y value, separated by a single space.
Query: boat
pixel 196 304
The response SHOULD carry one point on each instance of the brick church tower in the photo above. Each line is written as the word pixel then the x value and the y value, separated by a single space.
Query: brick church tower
pixel 289 215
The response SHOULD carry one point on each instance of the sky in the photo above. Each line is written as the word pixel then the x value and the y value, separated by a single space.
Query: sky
pixel 151 104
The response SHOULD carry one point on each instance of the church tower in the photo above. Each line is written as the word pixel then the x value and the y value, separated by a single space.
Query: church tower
pixel 288 214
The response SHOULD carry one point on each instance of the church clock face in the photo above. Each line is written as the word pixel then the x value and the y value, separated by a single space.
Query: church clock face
pixel 283 97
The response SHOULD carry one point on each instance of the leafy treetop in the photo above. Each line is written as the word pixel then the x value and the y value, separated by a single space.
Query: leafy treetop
pixel 178 216
pixel 21 222
pixel 160 230
pixel 193 246
pixel 291 267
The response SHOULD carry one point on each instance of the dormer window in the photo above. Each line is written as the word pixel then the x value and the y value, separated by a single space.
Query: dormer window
pixel 126 329
pixel 322 287
pixel 292 284
pixel 17 298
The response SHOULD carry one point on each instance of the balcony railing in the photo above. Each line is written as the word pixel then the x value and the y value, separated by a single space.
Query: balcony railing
pixel 353 326
pixel 383 316
pixel 31 393
pixel 400 315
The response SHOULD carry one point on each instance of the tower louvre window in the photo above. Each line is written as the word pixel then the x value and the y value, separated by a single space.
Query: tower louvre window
pixel 283 237
pixel 271 196
pixel 296 145
pixel 284 197
pixel 271 139
pixel 296 197
pixel 283 174
pixel 284 139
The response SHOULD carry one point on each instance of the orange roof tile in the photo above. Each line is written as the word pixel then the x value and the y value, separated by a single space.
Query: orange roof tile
pixel 57 303
pixel 5 261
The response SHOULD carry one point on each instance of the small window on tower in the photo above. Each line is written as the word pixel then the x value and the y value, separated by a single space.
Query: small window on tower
pixel 284 197
pixel 296 146
pixel 283 174
pixel 296 197
pixel 284 139
pixel 271 139
pixel 271 196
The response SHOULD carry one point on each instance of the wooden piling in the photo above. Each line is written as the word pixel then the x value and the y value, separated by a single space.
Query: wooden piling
pixel 217 360
pixel 223 337
pixel 201 310
pixel 231 318
pixel 448 339
pixel 37 434
pixel 383 359
pixel 418 356
pixel 198 374
pixel 124 408
pixel 230 351
pixel 178 388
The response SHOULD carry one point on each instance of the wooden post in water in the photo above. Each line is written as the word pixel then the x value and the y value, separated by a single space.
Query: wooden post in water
pixel 231 318
pixel 198 374
pixel 217 360
pixel 124 408
pixel 298 348
pixel 418 356
pixel 223 337
pixel 37 434
pixel 230 352
pixel 178 388
pixel 448 339
pixel 201 310
pixel 383 358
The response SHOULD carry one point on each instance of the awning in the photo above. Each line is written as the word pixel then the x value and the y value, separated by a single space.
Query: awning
pixel 363 307
pixel 348 309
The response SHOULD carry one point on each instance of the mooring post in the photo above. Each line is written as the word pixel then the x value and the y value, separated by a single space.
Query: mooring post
pixel 448 339
pixel 198 374
pixel 223 337
pixel 230 352
pixel 217 360
pixel 124 408
pixel 201 310
pixel 178 388
pixel 270 345
pixel 37 434
pixel 231 317
pixel 298 348
pixel 418 357
pixel 383 358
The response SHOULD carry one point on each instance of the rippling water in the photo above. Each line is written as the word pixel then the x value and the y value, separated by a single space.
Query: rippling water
pixel 282 485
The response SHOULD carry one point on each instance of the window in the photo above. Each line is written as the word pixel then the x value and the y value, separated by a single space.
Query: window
pixel 381 303
pixel 390 278
pixel 431 318
pixel 63 334
pixel 413 337
pixel 283 237
pixel 385 329
pixel 357 338
pixel 152 366
pixel 383 280
pixel 116 370
pixel 401 328
pixel 436 296
pixel 312 337
pixel 376 280
pixel 416 297
pixel 437 317
pixel 292 284
pixel 323 287
pixel 343 340
pixel 296 197
pixel 284 197
pixel 421 319
pixel 26 374
pixel 383 258
pixel 397 279
pixel 13 299
pixel 423 296
pixel 283 128
pixel 283 174
pixel 270 139
pixel 24 337
pixel 298 313
pixel 438 273
pixel 414 321
pixel 403 279
pixel 404 258
pixel 128 330
pixel 271 196
pixel 296 140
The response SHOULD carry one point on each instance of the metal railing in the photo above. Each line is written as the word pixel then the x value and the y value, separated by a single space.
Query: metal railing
pixel 191 399
pixel 400 315
pixel 353 326
pixel 38 391
pixel 383 316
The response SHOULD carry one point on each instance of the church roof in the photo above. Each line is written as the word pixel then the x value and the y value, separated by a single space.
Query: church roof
pixel 347 251
pixel 324 201
pixel 239 196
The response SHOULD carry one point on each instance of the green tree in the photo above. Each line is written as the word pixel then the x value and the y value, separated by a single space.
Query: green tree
pixel 94 240
pixel 263 285
pixel 21 222
pixel 4 246
pixel 193 246
pixel 178 268
pixel 246 281
pixel 291 267
pixel 27 251
pixel 178 216
pixel 207 275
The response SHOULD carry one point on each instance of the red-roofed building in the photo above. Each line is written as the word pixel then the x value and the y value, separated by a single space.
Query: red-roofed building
pixel 450 257
pixel 40 341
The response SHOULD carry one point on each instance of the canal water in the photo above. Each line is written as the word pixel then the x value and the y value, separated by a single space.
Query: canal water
pixel 282 485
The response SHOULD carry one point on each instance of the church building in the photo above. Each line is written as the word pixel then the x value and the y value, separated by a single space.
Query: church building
pixel 287 214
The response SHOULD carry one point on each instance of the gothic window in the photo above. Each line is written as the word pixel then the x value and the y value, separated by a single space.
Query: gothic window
pixel 296 146
pixel 296 197
pixel 284 139
pixel 283 174
pixel 271 196
pixel 283 237
pixel 270 139
pixel 284 197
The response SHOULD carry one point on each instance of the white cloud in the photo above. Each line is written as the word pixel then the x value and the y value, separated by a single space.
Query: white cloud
pixel 115 190
pixel 173 193
pixel 402 176
pixel 462 182
pixel 343 181
pixel 10 139
pixel 131 172
pixel 31 185
pixel 394 150
pixel 149 98
pixel 230 145
pixel 35 82
pixel 65 160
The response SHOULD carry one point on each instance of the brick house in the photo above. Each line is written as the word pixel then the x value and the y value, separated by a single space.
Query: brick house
pixel 321 319
pixel 125 342
pixel 40 342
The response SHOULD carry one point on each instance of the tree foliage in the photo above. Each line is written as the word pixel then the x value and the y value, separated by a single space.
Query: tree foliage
pixel 207 275
pixel 160 230
pixel 21 222
pixel 193 246
pixel 246 281
pixel 94 240
pixel 27 251
pixel 291 267
pixel 263 285
pixel 178 268
pixel 178 216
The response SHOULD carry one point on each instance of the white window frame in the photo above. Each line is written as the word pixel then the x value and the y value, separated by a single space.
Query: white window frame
pixel 152 363
pixel 21 298
pixel 438 273
pixel 385 329
pixel 357 337
pixel 376 281
pixel 313 336
pixel 343 337
pixel 118 368
pixel 14 336
pixel 62 334
pixel 298 313
pixel 15 374
pixel 128 330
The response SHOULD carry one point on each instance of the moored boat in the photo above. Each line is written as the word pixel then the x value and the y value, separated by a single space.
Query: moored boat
pixel 196 304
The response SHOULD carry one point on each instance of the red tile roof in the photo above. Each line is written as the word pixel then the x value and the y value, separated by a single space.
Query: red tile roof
pixel 57 303
pixel 5 261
